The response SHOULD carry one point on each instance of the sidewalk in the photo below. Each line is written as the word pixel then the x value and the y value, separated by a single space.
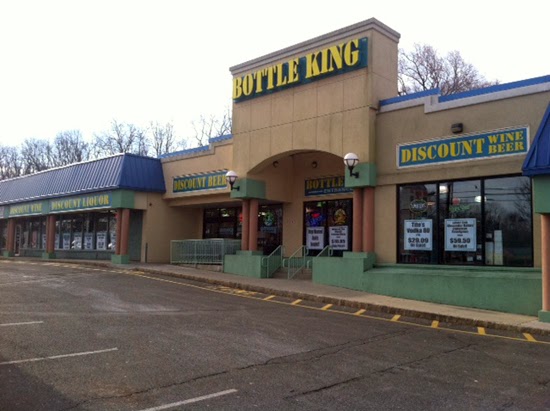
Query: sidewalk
pixel 307 290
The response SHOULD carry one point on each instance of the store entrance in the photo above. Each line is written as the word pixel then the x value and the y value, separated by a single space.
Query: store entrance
pixel 226 222
pixel 328 223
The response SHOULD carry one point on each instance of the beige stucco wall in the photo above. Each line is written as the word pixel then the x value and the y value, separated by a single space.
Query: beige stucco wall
pixel 334 115
pixel 162 223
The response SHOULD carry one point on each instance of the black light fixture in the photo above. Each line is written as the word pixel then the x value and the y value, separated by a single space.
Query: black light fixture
pixel 457 128
pixel 231 177
pixel 351 160
pixel 314 164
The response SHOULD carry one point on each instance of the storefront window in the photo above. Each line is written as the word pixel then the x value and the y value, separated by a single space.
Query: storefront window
pixel 222 222
pixel 112 230
pixel 270 228
pixel 102 227
pixel 88 229
pixel 3 234
pixel 472 222
pixel 508 222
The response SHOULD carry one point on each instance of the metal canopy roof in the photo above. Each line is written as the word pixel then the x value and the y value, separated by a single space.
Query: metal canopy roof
pixel 537 161
pixel 122 171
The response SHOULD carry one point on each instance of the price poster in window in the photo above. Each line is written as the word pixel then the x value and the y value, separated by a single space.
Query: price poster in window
pixel 418 235
pixel 338 237
pixel 460 234
pixel 315 238
pixel 101 240
pixel 88 241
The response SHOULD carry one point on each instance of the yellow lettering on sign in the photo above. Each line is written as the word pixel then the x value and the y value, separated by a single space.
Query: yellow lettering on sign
pixel 351 53
pixel 293 75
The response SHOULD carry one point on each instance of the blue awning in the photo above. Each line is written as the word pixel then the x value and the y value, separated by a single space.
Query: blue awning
pixel 121 171
pixel 537 161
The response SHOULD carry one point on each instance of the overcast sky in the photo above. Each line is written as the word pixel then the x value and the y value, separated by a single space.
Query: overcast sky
pixel 78 64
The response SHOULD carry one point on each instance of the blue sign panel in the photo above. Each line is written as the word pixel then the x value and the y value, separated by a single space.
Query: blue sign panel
pixel 496 143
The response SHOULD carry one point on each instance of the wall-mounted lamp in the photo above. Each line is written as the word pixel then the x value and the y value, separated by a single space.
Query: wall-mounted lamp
pixel 314 164
pixel 457 128
pixel 351 160
pixel 275 164
pixel 231 177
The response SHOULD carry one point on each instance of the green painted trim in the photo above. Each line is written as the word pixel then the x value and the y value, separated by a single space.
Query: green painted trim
pixel 48 256
pixel 245 263
pixel 120 259
pixel 544 316
pixel 248 188
pixel 8 254
pixel 123 199
pixel 541 194
pixel 514 291
pixel 367 176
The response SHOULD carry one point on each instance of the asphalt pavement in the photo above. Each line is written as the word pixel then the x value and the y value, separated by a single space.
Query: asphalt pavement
pixel 305 289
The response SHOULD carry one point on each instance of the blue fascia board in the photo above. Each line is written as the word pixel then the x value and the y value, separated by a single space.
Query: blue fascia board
pixel 466 94
pixel 496 88
pixel 407 97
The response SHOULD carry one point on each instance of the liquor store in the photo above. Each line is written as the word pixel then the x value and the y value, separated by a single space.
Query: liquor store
pixel 421 196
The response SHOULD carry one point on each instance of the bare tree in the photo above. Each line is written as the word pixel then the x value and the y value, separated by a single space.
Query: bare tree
pixel 121 138
pixel 11 164
pixel 212 126
pixel 36 155
pixel 69 147
pixel 424 69
pixel 163 139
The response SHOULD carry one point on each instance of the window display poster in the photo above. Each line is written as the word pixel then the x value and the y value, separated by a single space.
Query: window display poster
pixel 44 241
pixel 460 234
pixel 338 237
pixel 66 241
pixel 101 240
pixel 418 234
pixel 57 241
pixel 89 241
pixel 77 240
pixel 315 238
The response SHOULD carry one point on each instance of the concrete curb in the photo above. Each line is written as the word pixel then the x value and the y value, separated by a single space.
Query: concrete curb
pixel 353 304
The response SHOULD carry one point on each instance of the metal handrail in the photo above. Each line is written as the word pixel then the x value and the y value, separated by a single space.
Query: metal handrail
pixel 273 261
pixel 328 251
pixel 296 262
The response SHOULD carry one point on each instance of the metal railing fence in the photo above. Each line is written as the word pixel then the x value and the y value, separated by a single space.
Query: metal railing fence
pixel 273 261
pixel 296 262
pixel 207 251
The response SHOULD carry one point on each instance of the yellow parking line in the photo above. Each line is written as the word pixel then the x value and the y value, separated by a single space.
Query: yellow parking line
pixel 529 337
pixel 326 307
pixel 298 301
pixel 361 311
pixel 481 330
pixel 435 324
pixel 269 298
pixel 396 317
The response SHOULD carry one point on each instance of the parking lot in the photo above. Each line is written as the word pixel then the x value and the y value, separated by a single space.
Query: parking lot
pixel 84 338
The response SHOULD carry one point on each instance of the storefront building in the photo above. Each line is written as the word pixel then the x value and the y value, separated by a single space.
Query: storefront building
pixel 436 208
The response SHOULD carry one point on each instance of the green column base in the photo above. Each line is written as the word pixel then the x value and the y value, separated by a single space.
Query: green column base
pixel 120 259
pixel 8 254
pixel 544 316
pixel 48 256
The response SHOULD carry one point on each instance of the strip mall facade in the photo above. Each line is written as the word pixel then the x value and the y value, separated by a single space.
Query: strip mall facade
pixel 436 209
